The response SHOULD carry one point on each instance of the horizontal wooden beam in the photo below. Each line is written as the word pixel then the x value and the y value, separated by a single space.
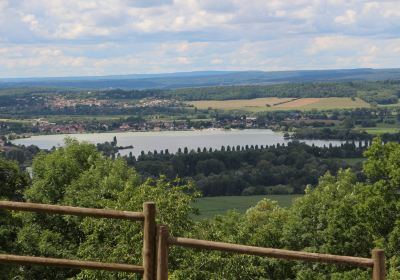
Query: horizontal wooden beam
pixel 269 252
pixel 69 210
pixel 4 258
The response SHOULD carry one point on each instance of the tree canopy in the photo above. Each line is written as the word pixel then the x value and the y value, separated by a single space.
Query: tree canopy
pixel 341 215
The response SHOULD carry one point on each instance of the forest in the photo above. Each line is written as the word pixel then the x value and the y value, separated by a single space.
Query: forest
pixel 249 170
pixel 236 170
pixel 340 215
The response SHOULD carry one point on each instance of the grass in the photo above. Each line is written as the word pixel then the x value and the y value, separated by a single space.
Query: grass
pixel 275 103
pixel 381 130
pixel 16 121
pixel 211 206
pixel 389 105
pixel 60 118
pixel 337 103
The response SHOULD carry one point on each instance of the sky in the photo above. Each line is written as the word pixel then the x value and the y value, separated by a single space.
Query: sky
pixel 111 37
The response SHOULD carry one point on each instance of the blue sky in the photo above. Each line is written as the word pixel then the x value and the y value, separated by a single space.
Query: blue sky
pixel 70 37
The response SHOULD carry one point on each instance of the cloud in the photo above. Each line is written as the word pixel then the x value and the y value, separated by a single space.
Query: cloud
pixel 140 36
pixel 348 18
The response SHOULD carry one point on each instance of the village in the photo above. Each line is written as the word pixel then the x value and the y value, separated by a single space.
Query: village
pixel 46 127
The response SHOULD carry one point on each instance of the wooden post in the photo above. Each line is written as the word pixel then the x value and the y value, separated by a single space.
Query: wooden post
pixel 149 240
pixel 379 270
pixel 162 253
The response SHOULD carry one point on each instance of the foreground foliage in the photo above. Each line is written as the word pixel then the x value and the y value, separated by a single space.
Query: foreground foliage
pixel 79 175
pixel 340 216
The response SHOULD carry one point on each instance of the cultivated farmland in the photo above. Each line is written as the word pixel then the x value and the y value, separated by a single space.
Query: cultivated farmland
pixel 275 103
pixel 249 104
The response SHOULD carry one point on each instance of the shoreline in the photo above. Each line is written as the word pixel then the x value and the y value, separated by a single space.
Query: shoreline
pixel 27 136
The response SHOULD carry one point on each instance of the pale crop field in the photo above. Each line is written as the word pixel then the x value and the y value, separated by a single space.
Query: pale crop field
pixel 334 103
pixel 275 103
pixel 239 103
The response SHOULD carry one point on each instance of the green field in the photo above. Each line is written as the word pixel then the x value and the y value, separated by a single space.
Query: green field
pixel 336 103
pixel 389 105
pixel 27 121
pixel 60 118
pixel 381 130
pixel 211 206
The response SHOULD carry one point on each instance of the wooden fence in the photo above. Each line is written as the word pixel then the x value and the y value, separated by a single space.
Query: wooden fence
pixel 164 241
pixel 376 262
pixel 149 235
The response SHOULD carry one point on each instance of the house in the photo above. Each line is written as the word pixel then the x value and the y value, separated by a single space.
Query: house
pixel 124 127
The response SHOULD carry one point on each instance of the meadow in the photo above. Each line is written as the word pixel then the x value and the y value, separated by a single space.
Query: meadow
pixel 381 130
pixel 275 103
pixel 22 121
pixel 211 206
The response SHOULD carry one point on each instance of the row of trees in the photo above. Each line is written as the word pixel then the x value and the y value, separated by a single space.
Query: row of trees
pixel 327 133
pixel 342 134
pixel 340 216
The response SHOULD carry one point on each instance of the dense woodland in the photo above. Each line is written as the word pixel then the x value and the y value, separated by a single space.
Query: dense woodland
pixel 249 170
pixel 246 170
pixel 341 215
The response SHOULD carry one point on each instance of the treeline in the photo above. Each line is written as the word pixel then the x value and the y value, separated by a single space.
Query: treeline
pixel 258 91
pixel 22 155
pixel 342 134
pixel 327 133
pixel 248 170
pixel 380 92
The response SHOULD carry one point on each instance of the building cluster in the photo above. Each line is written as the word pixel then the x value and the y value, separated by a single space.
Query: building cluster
pixel 60 102
pixel 186 125
pixel 249 122
pixel 156 103
pixel 45 126
pixel 155 126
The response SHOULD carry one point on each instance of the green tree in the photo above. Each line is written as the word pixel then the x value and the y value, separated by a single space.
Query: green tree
pixel 339 216
pixel 78 175
pixel 261 226
pixel 13 181
pixel 12 184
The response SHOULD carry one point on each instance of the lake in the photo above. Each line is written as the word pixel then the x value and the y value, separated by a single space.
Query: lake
pixel 172 140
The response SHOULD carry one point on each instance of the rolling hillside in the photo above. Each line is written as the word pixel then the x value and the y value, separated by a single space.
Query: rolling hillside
pixel 202 78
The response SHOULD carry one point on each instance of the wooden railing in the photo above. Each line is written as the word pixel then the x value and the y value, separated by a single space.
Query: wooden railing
pixel 376 262
pixel 149 234
pixel 164 241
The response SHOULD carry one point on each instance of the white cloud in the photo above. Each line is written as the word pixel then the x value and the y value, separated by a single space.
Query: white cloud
pixel 88 37
pixel 348 18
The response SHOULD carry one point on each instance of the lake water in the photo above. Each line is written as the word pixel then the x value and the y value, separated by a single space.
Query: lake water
pixel 172 140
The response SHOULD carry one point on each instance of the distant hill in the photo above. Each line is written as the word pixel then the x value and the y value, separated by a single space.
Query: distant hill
pixel 202 79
